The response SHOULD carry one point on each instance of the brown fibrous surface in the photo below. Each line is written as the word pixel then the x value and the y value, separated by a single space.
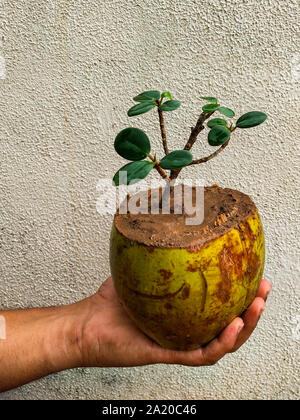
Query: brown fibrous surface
pixel 224 209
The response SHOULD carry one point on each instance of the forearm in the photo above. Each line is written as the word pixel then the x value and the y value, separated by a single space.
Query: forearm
pixel 38 342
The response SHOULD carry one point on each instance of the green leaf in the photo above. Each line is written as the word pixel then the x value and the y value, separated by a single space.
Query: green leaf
pixel 148 95
pixel 176 160
pixel 210 107
pixel 226 111
pixel 141 108
pixel 216 121
pixel 166 94
pixel 132 144
pixel 170 105
pixel 251 119
pixel 132 173
pixel 209 99
pixel 218 135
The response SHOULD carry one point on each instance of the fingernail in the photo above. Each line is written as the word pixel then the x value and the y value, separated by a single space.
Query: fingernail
pixel 240 329
pixel 261 311
pixel 267 295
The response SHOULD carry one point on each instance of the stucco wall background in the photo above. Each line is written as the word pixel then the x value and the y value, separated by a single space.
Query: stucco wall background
pixel 67 72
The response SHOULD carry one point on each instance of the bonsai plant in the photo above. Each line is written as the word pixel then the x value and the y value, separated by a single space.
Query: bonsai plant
pixel 183 284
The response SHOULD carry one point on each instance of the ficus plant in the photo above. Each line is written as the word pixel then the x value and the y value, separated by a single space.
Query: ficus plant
pixel 133 144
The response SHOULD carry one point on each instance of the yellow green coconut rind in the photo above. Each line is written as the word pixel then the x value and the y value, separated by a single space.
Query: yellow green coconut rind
pixel 183 298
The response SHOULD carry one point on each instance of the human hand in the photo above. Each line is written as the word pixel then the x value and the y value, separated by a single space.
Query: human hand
pixel 110 338
pixel 97 332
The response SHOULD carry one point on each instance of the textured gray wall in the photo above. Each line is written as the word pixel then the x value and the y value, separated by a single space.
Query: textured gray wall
pixel 67 72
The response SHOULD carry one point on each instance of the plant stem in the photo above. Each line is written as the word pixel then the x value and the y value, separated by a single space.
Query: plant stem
pixel 197 129
pixel 162 129
pixel 193 137
pixel 160 170
pixel 205 159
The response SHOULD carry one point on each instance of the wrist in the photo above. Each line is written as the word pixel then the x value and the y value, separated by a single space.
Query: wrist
pixel 63 342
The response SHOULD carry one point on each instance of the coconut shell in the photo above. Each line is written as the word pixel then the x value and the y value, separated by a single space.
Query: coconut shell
pixel 183 297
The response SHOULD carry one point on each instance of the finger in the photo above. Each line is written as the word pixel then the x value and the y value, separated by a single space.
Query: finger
pixel 264 289
pixel 208 355
pixel 223 344
pixel 250 318
pixel 253 313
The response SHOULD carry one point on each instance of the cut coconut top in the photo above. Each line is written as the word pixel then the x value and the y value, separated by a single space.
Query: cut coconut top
pixel 224 209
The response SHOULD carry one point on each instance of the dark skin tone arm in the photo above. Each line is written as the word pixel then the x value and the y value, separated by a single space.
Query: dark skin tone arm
pixel 97 332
